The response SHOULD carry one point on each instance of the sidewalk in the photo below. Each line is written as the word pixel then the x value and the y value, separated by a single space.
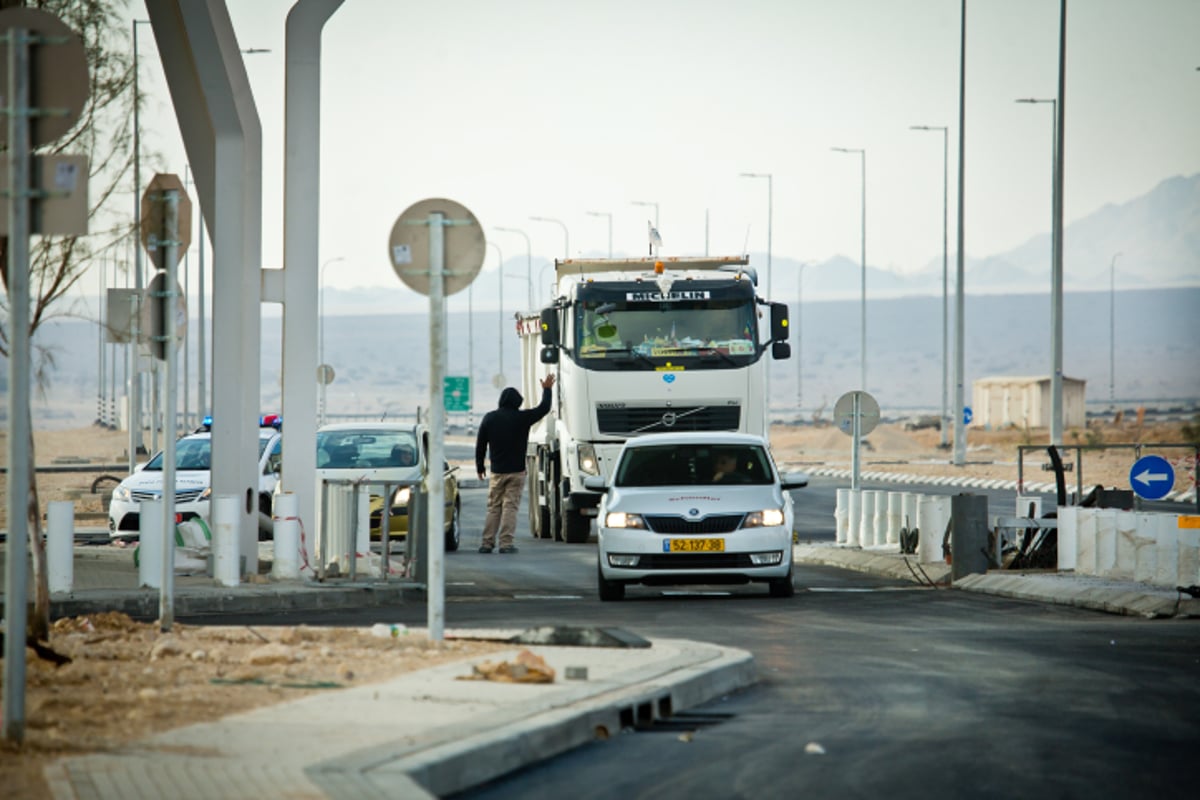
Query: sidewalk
pixel 429 734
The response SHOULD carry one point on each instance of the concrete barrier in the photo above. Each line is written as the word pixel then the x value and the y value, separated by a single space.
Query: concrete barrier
pixel 841 515
pixel 1149 547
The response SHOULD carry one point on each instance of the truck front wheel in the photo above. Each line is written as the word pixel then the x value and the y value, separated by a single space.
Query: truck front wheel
pixel 576 527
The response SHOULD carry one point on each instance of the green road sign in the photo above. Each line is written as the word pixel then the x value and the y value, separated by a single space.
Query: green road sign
pixel 457 393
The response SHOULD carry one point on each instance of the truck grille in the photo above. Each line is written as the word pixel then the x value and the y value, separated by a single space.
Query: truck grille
pixel 719 523
pixel 657 419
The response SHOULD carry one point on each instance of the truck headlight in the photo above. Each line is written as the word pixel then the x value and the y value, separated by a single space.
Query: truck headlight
pixel 767 518
pixel 619 519
pixel 588 464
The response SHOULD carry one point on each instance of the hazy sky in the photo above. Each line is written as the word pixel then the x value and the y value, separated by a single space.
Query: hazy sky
pixel 551 108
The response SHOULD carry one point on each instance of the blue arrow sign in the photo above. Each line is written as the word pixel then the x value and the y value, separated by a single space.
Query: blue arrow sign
pixel 1151 477
pixel 968 415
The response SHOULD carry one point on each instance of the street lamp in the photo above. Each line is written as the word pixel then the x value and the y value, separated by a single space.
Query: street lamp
pixel 528 260
pixel 609 215
pixel 321 333
pixel 1056 417
pixel 863 161
pixel 566 233
pixel 945 426
pixel 770 219
pixel 1112 332
pixel 500 326
pixel 649 203
pixel 135 381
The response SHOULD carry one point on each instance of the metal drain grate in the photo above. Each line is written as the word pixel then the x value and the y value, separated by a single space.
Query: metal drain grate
pixel 684 721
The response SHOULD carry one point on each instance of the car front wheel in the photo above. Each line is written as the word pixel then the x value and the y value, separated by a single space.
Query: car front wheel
pixel 609 590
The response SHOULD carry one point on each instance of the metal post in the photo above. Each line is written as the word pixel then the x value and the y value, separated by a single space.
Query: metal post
pixel 135 399
pixel 960 443
pixel 436 586
pixel 528 262
pixel 945 426
pixel 856 431
pixel 19 421
pixel 862 153
pixel 201 370
pixel 1112 334
pixel 500 295
pixel 609 215
pixel 166 608
pixel 1056 379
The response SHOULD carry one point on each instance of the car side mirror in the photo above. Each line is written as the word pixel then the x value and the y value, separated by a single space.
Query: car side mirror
pixel 596 483
pixel 794 480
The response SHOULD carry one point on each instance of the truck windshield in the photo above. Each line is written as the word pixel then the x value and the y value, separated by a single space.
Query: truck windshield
pixel 715 332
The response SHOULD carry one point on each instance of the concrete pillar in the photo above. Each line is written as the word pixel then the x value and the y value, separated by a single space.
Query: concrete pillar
pixel 881 513
pixel 1068 521
pixel 150 543
pixel 866 522
pixel 60 546
pixel 933 512
pixel 895 513
pixel 226 550
pixel 908 513
pixel 1146 547
pixel 1085 542
pixel 286 565
pixel 841 515
pixel 854 518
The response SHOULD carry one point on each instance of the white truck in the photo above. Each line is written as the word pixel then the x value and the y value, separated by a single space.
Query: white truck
pixel 642 345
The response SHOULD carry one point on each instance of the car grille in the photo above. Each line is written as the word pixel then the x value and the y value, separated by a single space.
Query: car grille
pixel 186 496
pixel 657 419
pixel 719 523
pixel 695 561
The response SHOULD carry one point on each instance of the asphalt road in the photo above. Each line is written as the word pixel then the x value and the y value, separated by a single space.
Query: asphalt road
pixel 870 688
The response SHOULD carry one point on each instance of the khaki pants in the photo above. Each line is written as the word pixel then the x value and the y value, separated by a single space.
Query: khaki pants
pixel 504 498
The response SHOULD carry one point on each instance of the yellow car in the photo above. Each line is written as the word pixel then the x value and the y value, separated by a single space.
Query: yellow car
pixel 386 454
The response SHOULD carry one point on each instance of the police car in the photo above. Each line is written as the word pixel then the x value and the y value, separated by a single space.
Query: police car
pixel 193 480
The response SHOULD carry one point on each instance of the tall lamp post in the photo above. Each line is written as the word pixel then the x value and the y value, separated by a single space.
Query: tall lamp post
pixel 321 332
pixel 609 215
pixel 500 325
pixel 1056 419
pixel 945 426
pixel 566 233
pixel 1112 333
pixel 863 162
pixel 528 260
pixel 649 204
pixel 135 381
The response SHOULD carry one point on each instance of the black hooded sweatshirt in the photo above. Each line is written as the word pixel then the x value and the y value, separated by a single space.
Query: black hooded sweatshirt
pixel 505 431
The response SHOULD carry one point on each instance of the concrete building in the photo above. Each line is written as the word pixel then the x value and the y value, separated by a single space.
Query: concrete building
pixel 1025 402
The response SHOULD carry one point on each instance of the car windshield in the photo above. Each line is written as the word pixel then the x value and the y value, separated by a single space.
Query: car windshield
pixel 694 465
pixel 195 454
pixel 366 449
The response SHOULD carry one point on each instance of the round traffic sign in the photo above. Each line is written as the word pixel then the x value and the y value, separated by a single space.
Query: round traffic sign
pixel 1152 477
pixel 868 412
pixel 155 219
pixel 463 249
pixel 159 324
pixel 325 374
pixel 59 70
pixel 498 380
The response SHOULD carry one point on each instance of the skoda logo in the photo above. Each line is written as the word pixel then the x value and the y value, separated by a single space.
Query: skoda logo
pixel 693 512
pixel 668 419
pixel 669 378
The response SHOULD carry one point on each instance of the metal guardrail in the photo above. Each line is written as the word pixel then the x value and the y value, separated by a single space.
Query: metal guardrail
pixel 415 503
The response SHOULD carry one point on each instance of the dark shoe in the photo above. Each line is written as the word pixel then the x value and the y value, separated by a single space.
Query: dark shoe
pixel 509 549
pixel 486 549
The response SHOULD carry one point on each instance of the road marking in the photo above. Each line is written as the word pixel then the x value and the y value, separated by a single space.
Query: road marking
pixel 547 597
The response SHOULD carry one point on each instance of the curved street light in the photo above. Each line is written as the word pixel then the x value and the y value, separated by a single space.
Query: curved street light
pixel 863 161
pixel 609 215
pixel 528 259
pixel 566 233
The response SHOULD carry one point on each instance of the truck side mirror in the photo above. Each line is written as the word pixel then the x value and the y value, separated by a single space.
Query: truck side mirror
pixel 779 322
pixel 549 329
pixel 549 355
pixel 780 350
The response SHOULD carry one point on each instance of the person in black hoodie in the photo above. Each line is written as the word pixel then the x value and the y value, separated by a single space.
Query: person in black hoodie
pixel 505 432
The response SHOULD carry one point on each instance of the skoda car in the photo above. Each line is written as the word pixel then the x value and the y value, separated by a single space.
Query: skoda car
pixel 390 457
pixel 703 508
pixel 193 482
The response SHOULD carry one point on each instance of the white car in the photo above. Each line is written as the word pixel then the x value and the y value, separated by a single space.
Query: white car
pixel 702 508
pixel 193 483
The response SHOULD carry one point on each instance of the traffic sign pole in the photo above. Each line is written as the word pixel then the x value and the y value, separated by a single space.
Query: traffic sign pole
pixel 435 488
pixel 167 331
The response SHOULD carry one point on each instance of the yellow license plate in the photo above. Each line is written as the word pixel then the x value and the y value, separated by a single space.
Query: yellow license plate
pixel 694 546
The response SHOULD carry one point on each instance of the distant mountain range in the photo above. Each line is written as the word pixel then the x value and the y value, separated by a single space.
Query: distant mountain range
pixel 1157 236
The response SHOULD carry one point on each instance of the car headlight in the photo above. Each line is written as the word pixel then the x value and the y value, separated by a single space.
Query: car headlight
pixel 588 464
pixel 619 519
pixel 206 494
pixel 121 493
pixel 767 518
pixel 402 495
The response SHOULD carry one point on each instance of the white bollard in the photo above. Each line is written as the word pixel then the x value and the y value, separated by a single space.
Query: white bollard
pixel 1167 571
pixel 226 553
pixel 1126 524
pixel 933 513
pixel 881 514
pixel 841 515
pixel 854 518
pixel 1068 522
pixel 1085 542
pixel 1189 552
pixel 60 546
pixel 866 519
pixel 150 543
pixel 1106 541
pixel 908 513
pixel 895 511
pixel 1146 547
pixel 287 538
